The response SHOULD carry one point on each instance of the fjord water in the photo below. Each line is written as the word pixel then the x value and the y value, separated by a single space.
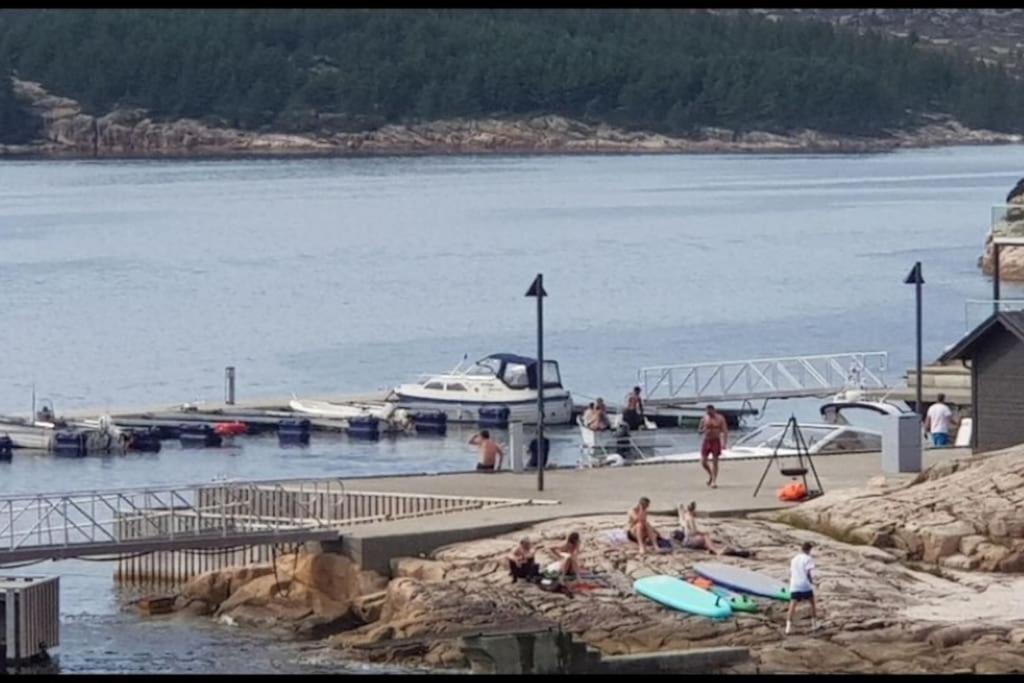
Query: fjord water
pixel 134 283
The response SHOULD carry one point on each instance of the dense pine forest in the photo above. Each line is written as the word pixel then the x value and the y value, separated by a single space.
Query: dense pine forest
pixel 671 71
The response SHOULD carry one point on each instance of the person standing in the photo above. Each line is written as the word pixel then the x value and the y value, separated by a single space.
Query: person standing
pixel 633 412
pixel 716 434
pixel 937 422
pixel 801 585
pixel 490 452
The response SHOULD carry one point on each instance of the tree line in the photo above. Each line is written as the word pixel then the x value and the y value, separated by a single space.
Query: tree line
pixel 671 71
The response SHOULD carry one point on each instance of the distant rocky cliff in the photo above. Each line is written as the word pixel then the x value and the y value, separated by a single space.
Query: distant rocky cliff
pixel 68 131
pixel 1010 224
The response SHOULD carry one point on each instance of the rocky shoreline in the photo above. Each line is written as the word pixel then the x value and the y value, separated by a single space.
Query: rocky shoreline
pixel 68 132
pixel 919 577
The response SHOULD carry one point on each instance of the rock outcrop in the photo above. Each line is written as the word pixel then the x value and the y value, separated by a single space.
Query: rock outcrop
pixel 309 594
pixel 67 131
pixel 879 614
pixel 1009 224
pixel 865 594
pixel 966 514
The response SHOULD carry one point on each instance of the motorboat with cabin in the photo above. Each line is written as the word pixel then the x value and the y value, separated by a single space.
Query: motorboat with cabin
pixel 495 381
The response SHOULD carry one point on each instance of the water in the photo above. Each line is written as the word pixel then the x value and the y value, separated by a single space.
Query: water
pixel 135 283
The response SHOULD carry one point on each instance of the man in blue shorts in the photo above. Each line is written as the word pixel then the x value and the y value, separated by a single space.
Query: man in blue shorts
pixel 801 585
pixel 937 422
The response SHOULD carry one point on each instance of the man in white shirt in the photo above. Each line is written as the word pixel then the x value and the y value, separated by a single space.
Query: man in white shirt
pixel 801 585
pixel 937 421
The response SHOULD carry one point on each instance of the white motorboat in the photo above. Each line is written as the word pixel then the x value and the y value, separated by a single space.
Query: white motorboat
pixel 821 439
pixel 501 379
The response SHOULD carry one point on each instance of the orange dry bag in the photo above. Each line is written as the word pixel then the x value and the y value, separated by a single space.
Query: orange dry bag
pixel 793 491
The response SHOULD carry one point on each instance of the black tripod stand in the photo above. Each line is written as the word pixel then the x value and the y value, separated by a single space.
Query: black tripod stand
pixel 801 452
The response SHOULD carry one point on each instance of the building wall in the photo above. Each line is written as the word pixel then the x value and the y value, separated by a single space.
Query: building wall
pixel 999 387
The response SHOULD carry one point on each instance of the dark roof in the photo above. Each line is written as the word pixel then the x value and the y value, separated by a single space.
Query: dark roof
pixel 513 358
pixel 1011 321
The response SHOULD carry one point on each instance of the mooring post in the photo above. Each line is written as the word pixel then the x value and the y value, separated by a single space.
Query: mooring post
pixel 229 385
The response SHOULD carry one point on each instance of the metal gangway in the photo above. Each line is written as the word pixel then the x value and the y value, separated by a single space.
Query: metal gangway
pixel 763 378
pixel 119 522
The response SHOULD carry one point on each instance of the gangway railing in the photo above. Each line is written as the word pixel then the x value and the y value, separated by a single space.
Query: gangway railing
pixel 211 515
pixel 763 378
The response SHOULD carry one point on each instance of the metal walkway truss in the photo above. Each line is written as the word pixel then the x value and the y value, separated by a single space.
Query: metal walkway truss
pixel 218 515
pixel 764 378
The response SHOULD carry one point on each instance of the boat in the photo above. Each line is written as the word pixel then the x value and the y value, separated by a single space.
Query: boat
pixel 391 417
pixel 821 439
pixel 500 380
pixel 342 411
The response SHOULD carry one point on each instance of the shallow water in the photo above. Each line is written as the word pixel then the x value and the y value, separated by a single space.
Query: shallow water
pixel 135 283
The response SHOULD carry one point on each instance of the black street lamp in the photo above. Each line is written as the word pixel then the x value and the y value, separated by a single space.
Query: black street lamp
pixel 537 290
pixel 915 278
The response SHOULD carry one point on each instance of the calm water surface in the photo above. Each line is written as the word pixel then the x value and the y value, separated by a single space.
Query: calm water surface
pixel 128 283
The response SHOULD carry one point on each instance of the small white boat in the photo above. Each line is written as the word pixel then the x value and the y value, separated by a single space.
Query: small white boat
pixel 343 411
pixel 501 379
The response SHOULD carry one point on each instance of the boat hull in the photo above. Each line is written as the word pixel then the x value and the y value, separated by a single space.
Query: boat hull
pixel 558 409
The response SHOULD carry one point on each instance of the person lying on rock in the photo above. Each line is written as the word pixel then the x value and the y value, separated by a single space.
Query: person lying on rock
pixel 568 563
pixel 639 529
pixel 692 537
pixel 521 562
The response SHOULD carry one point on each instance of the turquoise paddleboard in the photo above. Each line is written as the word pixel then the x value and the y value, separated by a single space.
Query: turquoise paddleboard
pixel 742 580
pixel 683 596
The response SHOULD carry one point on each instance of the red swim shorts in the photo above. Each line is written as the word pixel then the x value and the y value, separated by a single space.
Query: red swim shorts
pixel 711 447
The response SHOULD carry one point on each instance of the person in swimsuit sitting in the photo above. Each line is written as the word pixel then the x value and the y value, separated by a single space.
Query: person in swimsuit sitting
pixel 568 563
pixel 599 418
pixel 490 452
pixel 639 530
pixel 693 538
pixel 633 413
pixel 521 562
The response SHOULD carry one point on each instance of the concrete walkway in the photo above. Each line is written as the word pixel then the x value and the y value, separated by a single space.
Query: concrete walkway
pixel 590 492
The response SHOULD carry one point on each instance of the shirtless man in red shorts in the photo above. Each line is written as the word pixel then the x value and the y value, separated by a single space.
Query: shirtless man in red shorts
pixel 716 434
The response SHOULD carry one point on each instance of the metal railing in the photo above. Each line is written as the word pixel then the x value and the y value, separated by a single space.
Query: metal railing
pixel 212 515
pixel 977 311
pixel 764 378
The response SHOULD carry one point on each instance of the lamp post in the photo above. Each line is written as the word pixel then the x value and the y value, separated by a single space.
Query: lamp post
pixel 537 290
pixel 915 278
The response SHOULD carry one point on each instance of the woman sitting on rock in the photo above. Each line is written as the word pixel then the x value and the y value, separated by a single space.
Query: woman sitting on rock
pixel 693 538
pixel 521 563
pixel 569 564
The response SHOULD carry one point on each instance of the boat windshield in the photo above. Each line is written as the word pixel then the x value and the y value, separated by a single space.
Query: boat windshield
pixel 551 376
pixel 488 367
pixel 770 436
pixel 515 376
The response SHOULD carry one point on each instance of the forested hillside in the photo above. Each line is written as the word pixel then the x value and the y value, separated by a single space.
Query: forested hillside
pixel 670 71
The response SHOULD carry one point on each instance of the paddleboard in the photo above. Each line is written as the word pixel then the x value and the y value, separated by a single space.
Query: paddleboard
pixel 680 595
pixel 742 580
pixel 738 602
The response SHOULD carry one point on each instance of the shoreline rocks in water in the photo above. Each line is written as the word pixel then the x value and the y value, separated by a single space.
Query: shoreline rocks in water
pixel 69 132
